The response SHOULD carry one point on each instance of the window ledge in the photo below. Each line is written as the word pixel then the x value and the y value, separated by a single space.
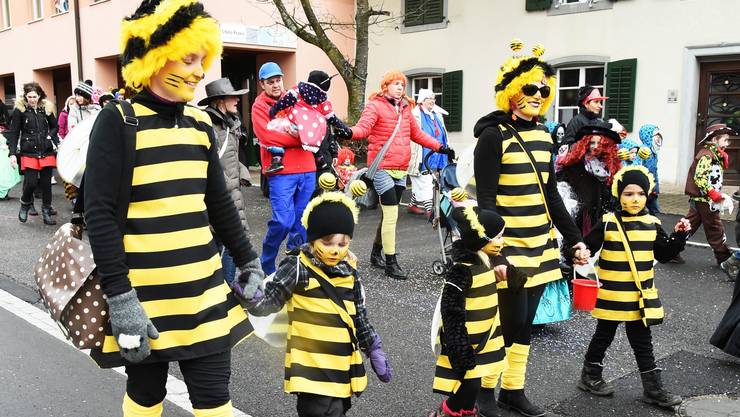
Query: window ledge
pixel 60 14
pixel 422 28
pixel 6 29
pixel 36 20
pixel 95 3
pixel 579 8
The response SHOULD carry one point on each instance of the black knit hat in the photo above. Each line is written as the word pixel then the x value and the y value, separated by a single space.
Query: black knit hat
pixel 635 174
pixel 84 89
pixel 320 78
pixel 329 214
pixel 477 226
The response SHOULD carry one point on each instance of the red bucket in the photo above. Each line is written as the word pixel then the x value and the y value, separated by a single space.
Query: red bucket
pixel 584 293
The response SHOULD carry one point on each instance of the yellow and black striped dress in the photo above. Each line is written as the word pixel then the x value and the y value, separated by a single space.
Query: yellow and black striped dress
pixel 323 356
pixel 530 243
pixel 481 314
pixel 173 261
pixel 619 297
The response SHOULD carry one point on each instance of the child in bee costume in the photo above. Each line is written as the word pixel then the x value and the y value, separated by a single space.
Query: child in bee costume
pixel 154 196
pixel 472 345
pixel 328 322
pixel 630 241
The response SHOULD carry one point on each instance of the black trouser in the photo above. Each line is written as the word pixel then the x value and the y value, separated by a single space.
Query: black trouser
pixel 33 178
pixel 79 206
pixel 517 313
pixel 207 379
pixel 638 335
pixel 313 405
pixel 464 398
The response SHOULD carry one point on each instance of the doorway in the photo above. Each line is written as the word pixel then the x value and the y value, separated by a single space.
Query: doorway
pixel 240 67
pixel 719 102
pixel 62 85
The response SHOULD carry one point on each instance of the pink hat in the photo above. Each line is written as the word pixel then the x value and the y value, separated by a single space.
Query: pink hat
pixel 594 95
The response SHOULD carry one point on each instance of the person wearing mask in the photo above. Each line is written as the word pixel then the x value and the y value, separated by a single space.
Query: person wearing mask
pixel 514 176
pixel 32 140
pixel 290 188
pixel 222 101
pixel 590 104
pixel 429 117
pixel 387 116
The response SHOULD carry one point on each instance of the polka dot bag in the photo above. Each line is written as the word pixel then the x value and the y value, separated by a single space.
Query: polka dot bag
pixel 70 290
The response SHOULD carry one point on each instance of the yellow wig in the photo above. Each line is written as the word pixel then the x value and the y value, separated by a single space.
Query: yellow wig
pixel 636 169
pixel 165 30
pixel 520 70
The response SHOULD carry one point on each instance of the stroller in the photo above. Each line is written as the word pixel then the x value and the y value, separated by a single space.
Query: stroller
pixel 445 181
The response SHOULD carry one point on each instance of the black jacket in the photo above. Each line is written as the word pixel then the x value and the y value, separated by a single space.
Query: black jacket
pixel 581 119
pixel 32 132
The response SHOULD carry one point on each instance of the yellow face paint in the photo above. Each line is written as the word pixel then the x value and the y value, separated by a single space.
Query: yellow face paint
pixel 331 249
pixel 494 246
pixel 633 199
pixel 177 80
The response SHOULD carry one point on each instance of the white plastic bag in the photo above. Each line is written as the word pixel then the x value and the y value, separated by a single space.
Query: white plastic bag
pixel 72 152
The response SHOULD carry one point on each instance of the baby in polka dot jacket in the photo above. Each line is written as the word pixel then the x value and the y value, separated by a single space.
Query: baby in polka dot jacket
pixel 308 111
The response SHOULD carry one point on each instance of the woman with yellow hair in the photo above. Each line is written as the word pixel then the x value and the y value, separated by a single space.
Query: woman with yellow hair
pixel 388 124
pixel 515 177
pixel 151 197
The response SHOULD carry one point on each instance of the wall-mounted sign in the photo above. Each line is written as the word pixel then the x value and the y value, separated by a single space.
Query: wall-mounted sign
pixel 277 36
pixel 673 96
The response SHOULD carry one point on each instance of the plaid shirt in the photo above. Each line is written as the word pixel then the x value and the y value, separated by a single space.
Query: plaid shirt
pixel 291 274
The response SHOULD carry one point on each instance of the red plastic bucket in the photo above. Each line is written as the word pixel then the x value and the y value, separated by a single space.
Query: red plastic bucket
pixel 584 293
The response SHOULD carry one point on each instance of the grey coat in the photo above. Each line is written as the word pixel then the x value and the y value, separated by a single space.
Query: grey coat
pixel 228 130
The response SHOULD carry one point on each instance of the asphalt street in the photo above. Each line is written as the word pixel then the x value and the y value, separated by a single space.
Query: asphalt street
pixel 695 296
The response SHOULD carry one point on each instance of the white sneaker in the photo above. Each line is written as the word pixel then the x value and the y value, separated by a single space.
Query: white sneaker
pixel 53 180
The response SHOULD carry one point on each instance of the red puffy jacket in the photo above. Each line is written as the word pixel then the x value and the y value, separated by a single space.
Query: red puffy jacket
pixel 296 160
pixel 377 122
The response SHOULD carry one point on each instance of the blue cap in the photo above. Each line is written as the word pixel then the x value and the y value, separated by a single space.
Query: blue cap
pixel 270 69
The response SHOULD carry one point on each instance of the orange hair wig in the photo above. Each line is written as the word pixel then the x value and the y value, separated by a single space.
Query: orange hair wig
pixel 390 77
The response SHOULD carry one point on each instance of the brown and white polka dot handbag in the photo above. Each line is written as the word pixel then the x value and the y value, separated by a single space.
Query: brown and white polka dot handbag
pixel 70 289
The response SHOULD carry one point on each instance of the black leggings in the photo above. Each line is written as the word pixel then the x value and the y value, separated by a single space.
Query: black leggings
pixel 464 398
pixel 517 313
pixel 389 198
pixel 79 206
pixel 313 405
pixel 207 379
pixel 638 334
pixel 33 178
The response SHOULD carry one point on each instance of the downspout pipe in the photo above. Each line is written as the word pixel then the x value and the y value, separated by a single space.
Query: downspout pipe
pixel 78 39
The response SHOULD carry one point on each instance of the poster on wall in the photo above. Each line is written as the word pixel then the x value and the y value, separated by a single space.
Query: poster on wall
pixel 275 36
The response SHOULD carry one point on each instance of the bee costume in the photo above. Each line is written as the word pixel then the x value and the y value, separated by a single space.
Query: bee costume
pixel 514 176
pixel 630 242
pixel 151 198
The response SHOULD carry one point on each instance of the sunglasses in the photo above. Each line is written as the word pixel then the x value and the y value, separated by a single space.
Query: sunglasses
pixel 531 89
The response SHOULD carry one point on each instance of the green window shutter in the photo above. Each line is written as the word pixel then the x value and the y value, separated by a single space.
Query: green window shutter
pixel 537 5
pixel 452 88
pixel 423 12
pixel 621 77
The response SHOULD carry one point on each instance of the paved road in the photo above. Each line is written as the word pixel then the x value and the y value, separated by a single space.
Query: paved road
pixel 695 296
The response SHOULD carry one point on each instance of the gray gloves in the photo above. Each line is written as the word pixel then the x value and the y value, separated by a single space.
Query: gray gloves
pixel 131 327
pixel 248 279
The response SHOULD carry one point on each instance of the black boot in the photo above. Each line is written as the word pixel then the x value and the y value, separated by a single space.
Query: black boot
pixel 515 400
pixel 32 211
pixel 23 213
pixel 392 269
pixel 592 381
pixel 654 393
pixel 376 256
pixel 46 215
pixel 486 402
pixel 52 211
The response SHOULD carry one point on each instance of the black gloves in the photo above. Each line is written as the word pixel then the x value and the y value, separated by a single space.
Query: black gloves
pixel 446 150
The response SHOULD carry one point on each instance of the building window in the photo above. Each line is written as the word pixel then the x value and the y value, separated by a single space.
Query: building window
pixel 431 82
pixel 569 80
pixel 559 7
pixel 4 4
pixel 421 15
pixel 61 6
pixel 38 9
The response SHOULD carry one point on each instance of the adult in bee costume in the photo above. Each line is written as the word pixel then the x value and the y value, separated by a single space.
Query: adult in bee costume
pixel 150 199
pixel 515 177
pixel 630 241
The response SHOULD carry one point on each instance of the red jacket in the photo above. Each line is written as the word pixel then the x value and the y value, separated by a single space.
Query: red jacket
pixel 296 160
pixel 377 123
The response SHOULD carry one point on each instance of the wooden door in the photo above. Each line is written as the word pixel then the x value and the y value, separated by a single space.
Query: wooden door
pixel 719 102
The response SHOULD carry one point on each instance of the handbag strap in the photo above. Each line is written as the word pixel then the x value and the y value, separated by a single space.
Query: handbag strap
pixel 532 162
pixel 379 156
pixel 131 125
pixel 628 251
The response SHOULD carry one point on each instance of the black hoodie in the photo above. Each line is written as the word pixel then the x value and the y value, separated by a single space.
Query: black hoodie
pixel 488 153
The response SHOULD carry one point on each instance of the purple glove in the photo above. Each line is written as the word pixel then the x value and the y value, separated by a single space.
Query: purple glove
pixel 379 362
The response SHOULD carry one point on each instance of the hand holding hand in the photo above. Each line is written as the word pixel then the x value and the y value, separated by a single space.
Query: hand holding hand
pixel 13 162
pixel 683 225
pixel 581 254
pixel 500 272
pixel 380 364
pixel 248 280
